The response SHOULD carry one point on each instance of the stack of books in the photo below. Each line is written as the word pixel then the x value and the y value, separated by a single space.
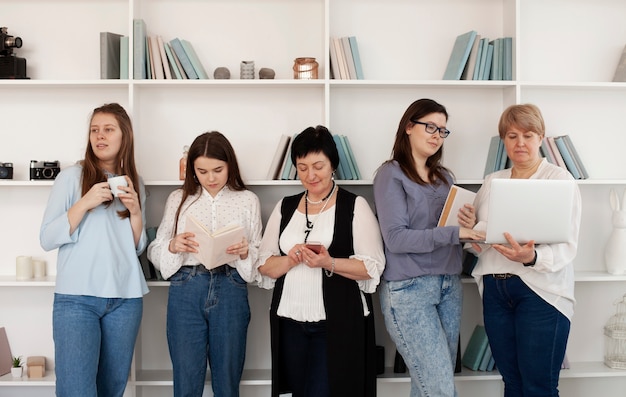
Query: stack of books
pixel 475 57
pixel 557 150
pixel 345 61
pixel 283 169
pixel 477 355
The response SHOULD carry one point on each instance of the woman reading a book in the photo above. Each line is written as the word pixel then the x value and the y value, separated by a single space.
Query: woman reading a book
pixel 421 290
pixel 207 309
pixel 98 298
pixel 321 315
pixel 527 289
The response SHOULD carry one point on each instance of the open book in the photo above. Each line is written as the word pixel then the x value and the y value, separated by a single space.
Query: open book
pixel 212 246
pixel 457 198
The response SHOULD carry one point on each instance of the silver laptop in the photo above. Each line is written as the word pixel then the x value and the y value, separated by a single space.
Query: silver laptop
pixel 530 209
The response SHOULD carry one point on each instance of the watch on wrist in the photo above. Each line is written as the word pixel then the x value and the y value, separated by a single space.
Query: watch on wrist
pixel 532 263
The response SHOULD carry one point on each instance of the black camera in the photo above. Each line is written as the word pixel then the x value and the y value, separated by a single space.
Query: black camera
pixel 6 170
pixel 44 169
pixel 11 66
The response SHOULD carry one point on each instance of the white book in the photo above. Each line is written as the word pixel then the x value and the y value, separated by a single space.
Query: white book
pixel 457 198
pixel 279 157
pixel 212 246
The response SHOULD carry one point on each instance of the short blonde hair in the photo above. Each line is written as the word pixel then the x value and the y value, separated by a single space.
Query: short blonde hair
pixel 526 117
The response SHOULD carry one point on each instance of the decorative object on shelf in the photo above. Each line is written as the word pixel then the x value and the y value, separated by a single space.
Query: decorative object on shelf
pixel 221 73
pixel 39 268
pixel 615 250
pixel 182 165
pixel 615 337
pixel 305 68
pixel 266 73
pixel 6 170
pixel 17 369
pixel 11 66
pixel 246 70
pixel 36 366
pixel 24 267
pixel 44 169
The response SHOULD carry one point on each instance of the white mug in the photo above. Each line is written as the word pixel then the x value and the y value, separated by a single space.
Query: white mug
pixel 116 181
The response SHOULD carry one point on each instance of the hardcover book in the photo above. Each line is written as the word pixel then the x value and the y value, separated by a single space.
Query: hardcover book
pixel 351 157
pixel 195 61
pixel 279 157
pixel 155 58
pixel 6 361
pixel 620 70
pixel 457 198
pixel 124 57
pixel 334 61
pixel 579 163
pixel 567 158
pixel 172 62
pixel 347 52
pixel 460 53
pixel 343 160
pixel 164 62
pixel 356 57
pixel 476 348
pixel 468 72
pixel 110 55
pixel 139 49
pixel 212 245
pixel 177 46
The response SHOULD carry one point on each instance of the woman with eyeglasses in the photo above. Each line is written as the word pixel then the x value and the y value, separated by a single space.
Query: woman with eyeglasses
pixel 421 291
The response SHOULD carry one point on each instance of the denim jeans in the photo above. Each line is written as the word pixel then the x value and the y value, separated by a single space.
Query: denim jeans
pixel 303 355
pixel 207 318
pixel 94 340
pixel 527 335
pixel 423 318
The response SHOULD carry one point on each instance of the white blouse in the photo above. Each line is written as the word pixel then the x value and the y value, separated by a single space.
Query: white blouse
pixel 302 298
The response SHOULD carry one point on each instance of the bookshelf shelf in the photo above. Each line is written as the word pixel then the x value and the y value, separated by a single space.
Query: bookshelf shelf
pixel 47 115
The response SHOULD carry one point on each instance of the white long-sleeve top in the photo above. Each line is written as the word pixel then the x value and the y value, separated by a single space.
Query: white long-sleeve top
pixel 552 276
pixel 302 298
pixel 226 208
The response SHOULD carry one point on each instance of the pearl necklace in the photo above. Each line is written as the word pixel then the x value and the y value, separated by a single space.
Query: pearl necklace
pixel 310 224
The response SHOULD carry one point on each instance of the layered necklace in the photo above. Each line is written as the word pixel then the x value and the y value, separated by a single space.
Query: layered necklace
pixel 325 200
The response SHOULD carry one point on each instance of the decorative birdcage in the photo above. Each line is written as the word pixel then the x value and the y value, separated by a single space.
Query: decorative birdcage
pixel 615 337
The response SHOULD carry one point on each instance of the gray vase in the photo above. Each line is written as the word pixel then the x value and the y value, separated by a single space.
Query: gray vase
pixel 221 73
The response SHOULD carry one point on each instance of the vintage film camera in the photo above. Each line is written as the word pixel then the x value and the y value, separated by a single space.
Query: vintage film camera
pixel 44 169
pixel 11 66
pixel 6 170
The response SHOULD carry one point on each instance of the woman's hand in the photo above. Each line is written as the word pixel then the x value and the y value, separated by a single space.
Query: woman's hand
pixel 471 234
pixel 183 242
pixel 467 216
pixel 314 260
pixel 130 198
pixel 98 194
pixel 516 252
pixel 240 249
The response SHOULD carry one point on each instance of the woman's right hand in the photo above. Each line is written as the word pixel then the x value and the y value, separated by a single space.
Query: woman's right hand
pixel 98 194
pixel 471 234
pixel 183 242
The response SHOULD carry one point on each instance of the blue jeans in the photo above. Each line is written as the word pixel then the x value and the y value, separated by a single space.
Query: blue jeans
pixel 423 318
pixel 94 339
pixel 207 318
pixel 303 355
pixel 527 335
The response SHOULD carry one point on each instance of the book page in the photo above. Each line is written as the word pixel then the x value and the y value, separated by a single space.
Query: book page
pixel 212 246
pixel 457 198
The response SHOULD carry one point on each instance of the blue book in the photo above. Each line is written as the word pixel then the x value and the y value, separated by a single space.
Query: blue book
pixel 488 62
pixel 484 363
pixel 172 61
pixel 483 58
pixel 579 163
pixel 476 348
pixel 184 60
pixel 139 49
pixel 287 164
pixel 459 56
pixel 495 61
pixel 479 56
pixel 502 156
pixel 124 57
pixel 567 157
pixel 343 160
pixel 492 154
pixel 492 364
pixel 356 58
pixel 508 58
pixel 195 61
pixel 349 159
pixel 352 158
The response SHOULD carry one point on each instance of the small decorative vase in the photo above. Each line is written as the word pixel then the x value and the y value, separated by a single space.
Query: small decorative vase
pixel 221 73
pixel 615 250
pixel 266 73
pixel 16 372
pixel 247 70
pixel 305 68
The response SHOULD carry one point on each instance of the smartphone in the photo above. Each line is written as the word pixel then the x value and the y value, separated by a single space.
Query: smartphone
pixel 314 246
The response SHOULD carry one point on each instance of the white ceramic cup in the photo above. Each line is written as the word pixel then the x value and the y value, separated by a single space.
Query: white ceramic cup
pixel 115 182
pixel 24 267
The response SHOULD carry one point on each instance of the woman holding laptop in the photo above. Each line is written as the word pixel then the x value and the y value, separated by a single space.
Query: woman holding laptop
pixel 527 289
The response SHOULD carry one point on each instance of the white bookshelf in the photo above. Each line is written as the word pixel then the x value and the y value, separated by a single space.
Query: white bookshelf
pixel 562 62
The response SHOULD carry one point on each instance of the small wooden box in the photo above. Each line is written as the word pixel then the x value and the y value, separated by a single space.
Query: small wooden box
pixel 36 366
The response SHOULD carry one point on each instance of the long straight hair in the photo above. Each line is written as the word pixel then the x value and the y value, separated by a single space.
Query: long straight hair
pixel 125 158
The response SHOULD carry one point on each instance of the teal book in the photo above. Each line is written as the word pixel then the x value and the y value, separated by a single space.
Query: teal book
pixel 149 67
pixel 479 56
pixel 483 58
pixel 459 56
pixel 195 61
pixel 172 61
pixel 349 158
pixel 476 348
pixel 492 154
pixel 139 49
pixel 352 158
pixel 343 160
pixel 356 57
pixel 484 363
pixel 347 52
pixel 184 60
pixel 495 61
pixel 124 57
pixel 492 364
pixel 468 72
pixel 488 62
pixel 287 163
pixel 567 157
pixel 579 163
pixel 502 157
pixel 546 152
pixel 508 58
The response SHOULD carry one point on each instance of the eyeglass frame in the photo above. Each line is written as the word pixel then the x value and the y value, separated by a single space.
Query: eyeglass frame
pixel 443 132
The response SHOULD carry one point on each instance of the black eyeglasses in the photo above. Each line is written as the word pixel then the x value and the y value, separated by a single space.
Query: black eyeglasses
pixel 431 128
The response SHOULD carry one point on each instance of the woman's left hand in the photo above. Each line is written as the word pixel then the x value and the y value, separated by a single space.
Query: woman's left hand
pixel 240 249
pixel 314 260
pixel 467 216
pixel 130 198
pixel 516 252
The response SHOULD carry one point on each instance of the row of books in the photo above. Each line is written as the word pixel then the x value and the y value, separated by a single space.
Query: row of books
pixel 559 150
pixel 475 57
pixel 282 168
pixel 477 355
pixel 345 61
